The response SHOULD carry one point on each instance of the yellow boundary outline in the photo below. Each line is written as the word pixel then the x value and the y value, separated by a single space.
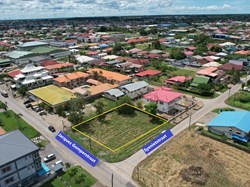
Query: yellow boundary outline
pixel 128 143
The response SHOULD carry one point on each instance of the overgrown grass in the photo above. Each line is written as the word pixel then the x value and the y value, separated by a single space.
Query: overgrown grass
pixel 240 99
pixel 10 122
pixel 117 130
pixel 70 179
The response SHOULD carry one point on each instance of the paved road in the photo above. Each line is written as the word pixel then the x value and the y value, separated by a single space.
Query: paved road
pixel 123 170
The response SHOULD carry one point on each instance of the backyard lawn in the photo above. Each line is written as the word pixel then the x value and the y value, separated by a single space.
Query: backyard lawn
pixel 114 136
pixel 10 121
pixel 74 177
pixel 240 99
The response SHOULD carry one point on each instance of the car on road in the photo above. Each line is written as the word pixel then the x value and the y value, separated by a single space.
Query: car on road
pixel 26 102
pixel 4 93
pixel 49 157
pixel 39 109
pixel 52 129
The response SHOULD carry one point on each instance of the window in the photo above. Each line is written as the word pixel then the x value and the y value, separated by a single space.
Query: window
pixel 9 180
pixel 161 103
pixel 238 132
pixel 6 169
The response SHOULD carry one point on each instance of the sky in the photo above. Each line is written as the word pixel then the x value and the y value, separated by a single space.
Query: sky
pixel 32 9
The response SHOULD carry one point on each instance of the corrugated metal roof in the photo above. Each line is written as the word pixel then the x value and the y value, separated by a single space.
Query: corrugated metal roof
pixel 238 119
pixel 15 145
pixel 134 86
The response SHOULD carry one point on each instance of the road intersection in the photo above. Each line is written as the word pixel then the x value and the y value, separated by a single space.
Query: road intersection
pixel 122 171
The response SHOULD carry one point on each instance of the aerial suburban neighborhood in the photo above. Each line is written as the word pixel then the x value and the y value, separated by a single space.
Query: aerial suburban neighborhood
pixel 125 101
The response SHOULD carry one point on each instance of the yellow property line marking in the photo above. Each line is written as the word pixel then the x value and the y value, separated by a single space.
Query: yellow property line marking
pixel 128 143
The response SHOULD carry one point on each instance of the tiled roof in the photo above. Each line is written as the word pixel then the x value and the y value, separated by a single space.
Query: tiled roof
pixel 149 72
pixel 71 76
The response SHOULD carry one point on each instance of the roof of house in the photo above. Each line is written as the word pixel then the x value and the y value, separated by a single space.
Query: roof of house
pixel 229 66
pixel 14 73
pixel 31 68
pixel 210 71
pixel 18 54
pixel 94 90
pixel 53 95
pixel 163 94
pixel 58 66
pixel 212 64
pixel 238 119
pixel 32 44
pixel 5 61
pixel 134 86
pixel 71 76
pixel 200 80
pixel 149 72
pixel 15 145
pixel 44 49
pixel 180 79
pixel 115 92
pixel 48 62
pixel 110 75
pixel 242 52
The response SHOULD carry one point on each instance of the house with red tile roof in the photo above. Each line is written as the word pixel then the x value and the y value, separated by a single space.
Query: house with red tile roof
pixel 14 73
pixel 230 66
pixel 59 68
pixel 165 98
pixel 48 62
pixel 148 73
pixel 209 72
pixel 178 80
pixel 71 80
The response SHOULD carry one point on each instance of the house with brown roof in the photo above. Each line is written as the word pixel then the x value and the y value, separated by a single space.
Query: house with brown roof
pixel 109 76
pixel 58 68
pixel 71 80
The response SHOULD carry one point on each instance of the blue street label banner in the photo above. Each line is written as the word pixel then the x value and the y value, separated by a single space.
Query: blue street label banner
pixel 77 149
pixel 163 137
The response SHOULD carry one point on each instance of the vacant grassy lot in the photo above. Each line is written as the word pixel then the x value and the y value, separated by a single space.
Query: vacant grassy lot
pixel 240 99
pixel 122 134
pixel 11 121
pixel 87 179
pixel 191 159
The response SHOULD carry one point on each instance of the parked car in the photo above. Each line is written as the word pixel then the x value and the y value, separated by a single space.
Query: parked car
pixel 49 157
pixel 57 162
pixel 28 105
pixel 38 109
pixel 43 112
pixel 26 102
pixel 4 93
pixel 52 129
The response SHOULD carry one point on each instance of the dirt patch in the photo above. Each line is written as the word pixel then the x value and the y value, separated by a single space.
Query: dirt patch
pixel 191 159
pixel 195 175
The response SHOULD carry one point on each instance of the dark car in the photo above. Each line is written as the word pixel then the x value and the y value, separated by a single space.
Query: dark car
pixel 52 129
pixel 39 109
pixel 26 102
pixel 28 105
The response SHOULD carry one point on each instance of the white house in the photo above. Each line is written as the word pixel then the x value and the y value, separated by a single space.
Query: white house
pixel 135 90
pixel 32 77
pixel 164 97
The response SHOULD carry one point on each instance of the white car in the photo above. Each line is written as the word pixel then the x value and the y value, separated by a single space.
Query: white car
pixel 57 162
pixel 49 157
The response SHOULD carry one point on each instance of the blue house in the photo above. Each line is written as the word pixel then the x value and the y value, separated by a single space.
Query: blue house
pixel 233 124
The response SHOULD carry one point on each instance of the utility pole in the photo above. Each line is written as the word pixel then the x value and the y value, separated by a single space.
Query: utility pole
pixel 189 121
pixel 112 180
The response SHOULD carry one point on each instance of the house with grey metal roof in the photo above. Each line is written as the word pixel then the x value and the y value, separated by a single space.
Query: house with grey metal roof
pixel 31 45
pixel 135 90
pixel 20 160
pixel 113 94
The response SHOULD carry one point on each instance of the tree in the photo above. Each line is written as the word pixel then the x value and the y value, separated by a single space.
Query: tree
pixel 156 44
pixel 80 178
pixel 117 47
pixel 22 90
pixel 139 104
pixel 1 122
pixel 125 109
pixel 99 107
pixel 216 48
pixel 205 89
pixel 177 54
pixel 3 106
pixel 151 107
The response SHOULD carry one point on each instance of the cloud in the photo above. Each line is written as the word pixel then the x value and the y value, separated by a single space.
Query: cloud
pixel 69 8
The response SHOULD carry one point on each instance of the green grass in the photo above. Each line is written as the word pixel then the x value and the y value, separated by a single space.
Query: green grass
pixel 10 123
pixel 219 110
pixel 142 46
pixel 115 131
pixel 197 95
pixel 70 179
pixel 240 99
